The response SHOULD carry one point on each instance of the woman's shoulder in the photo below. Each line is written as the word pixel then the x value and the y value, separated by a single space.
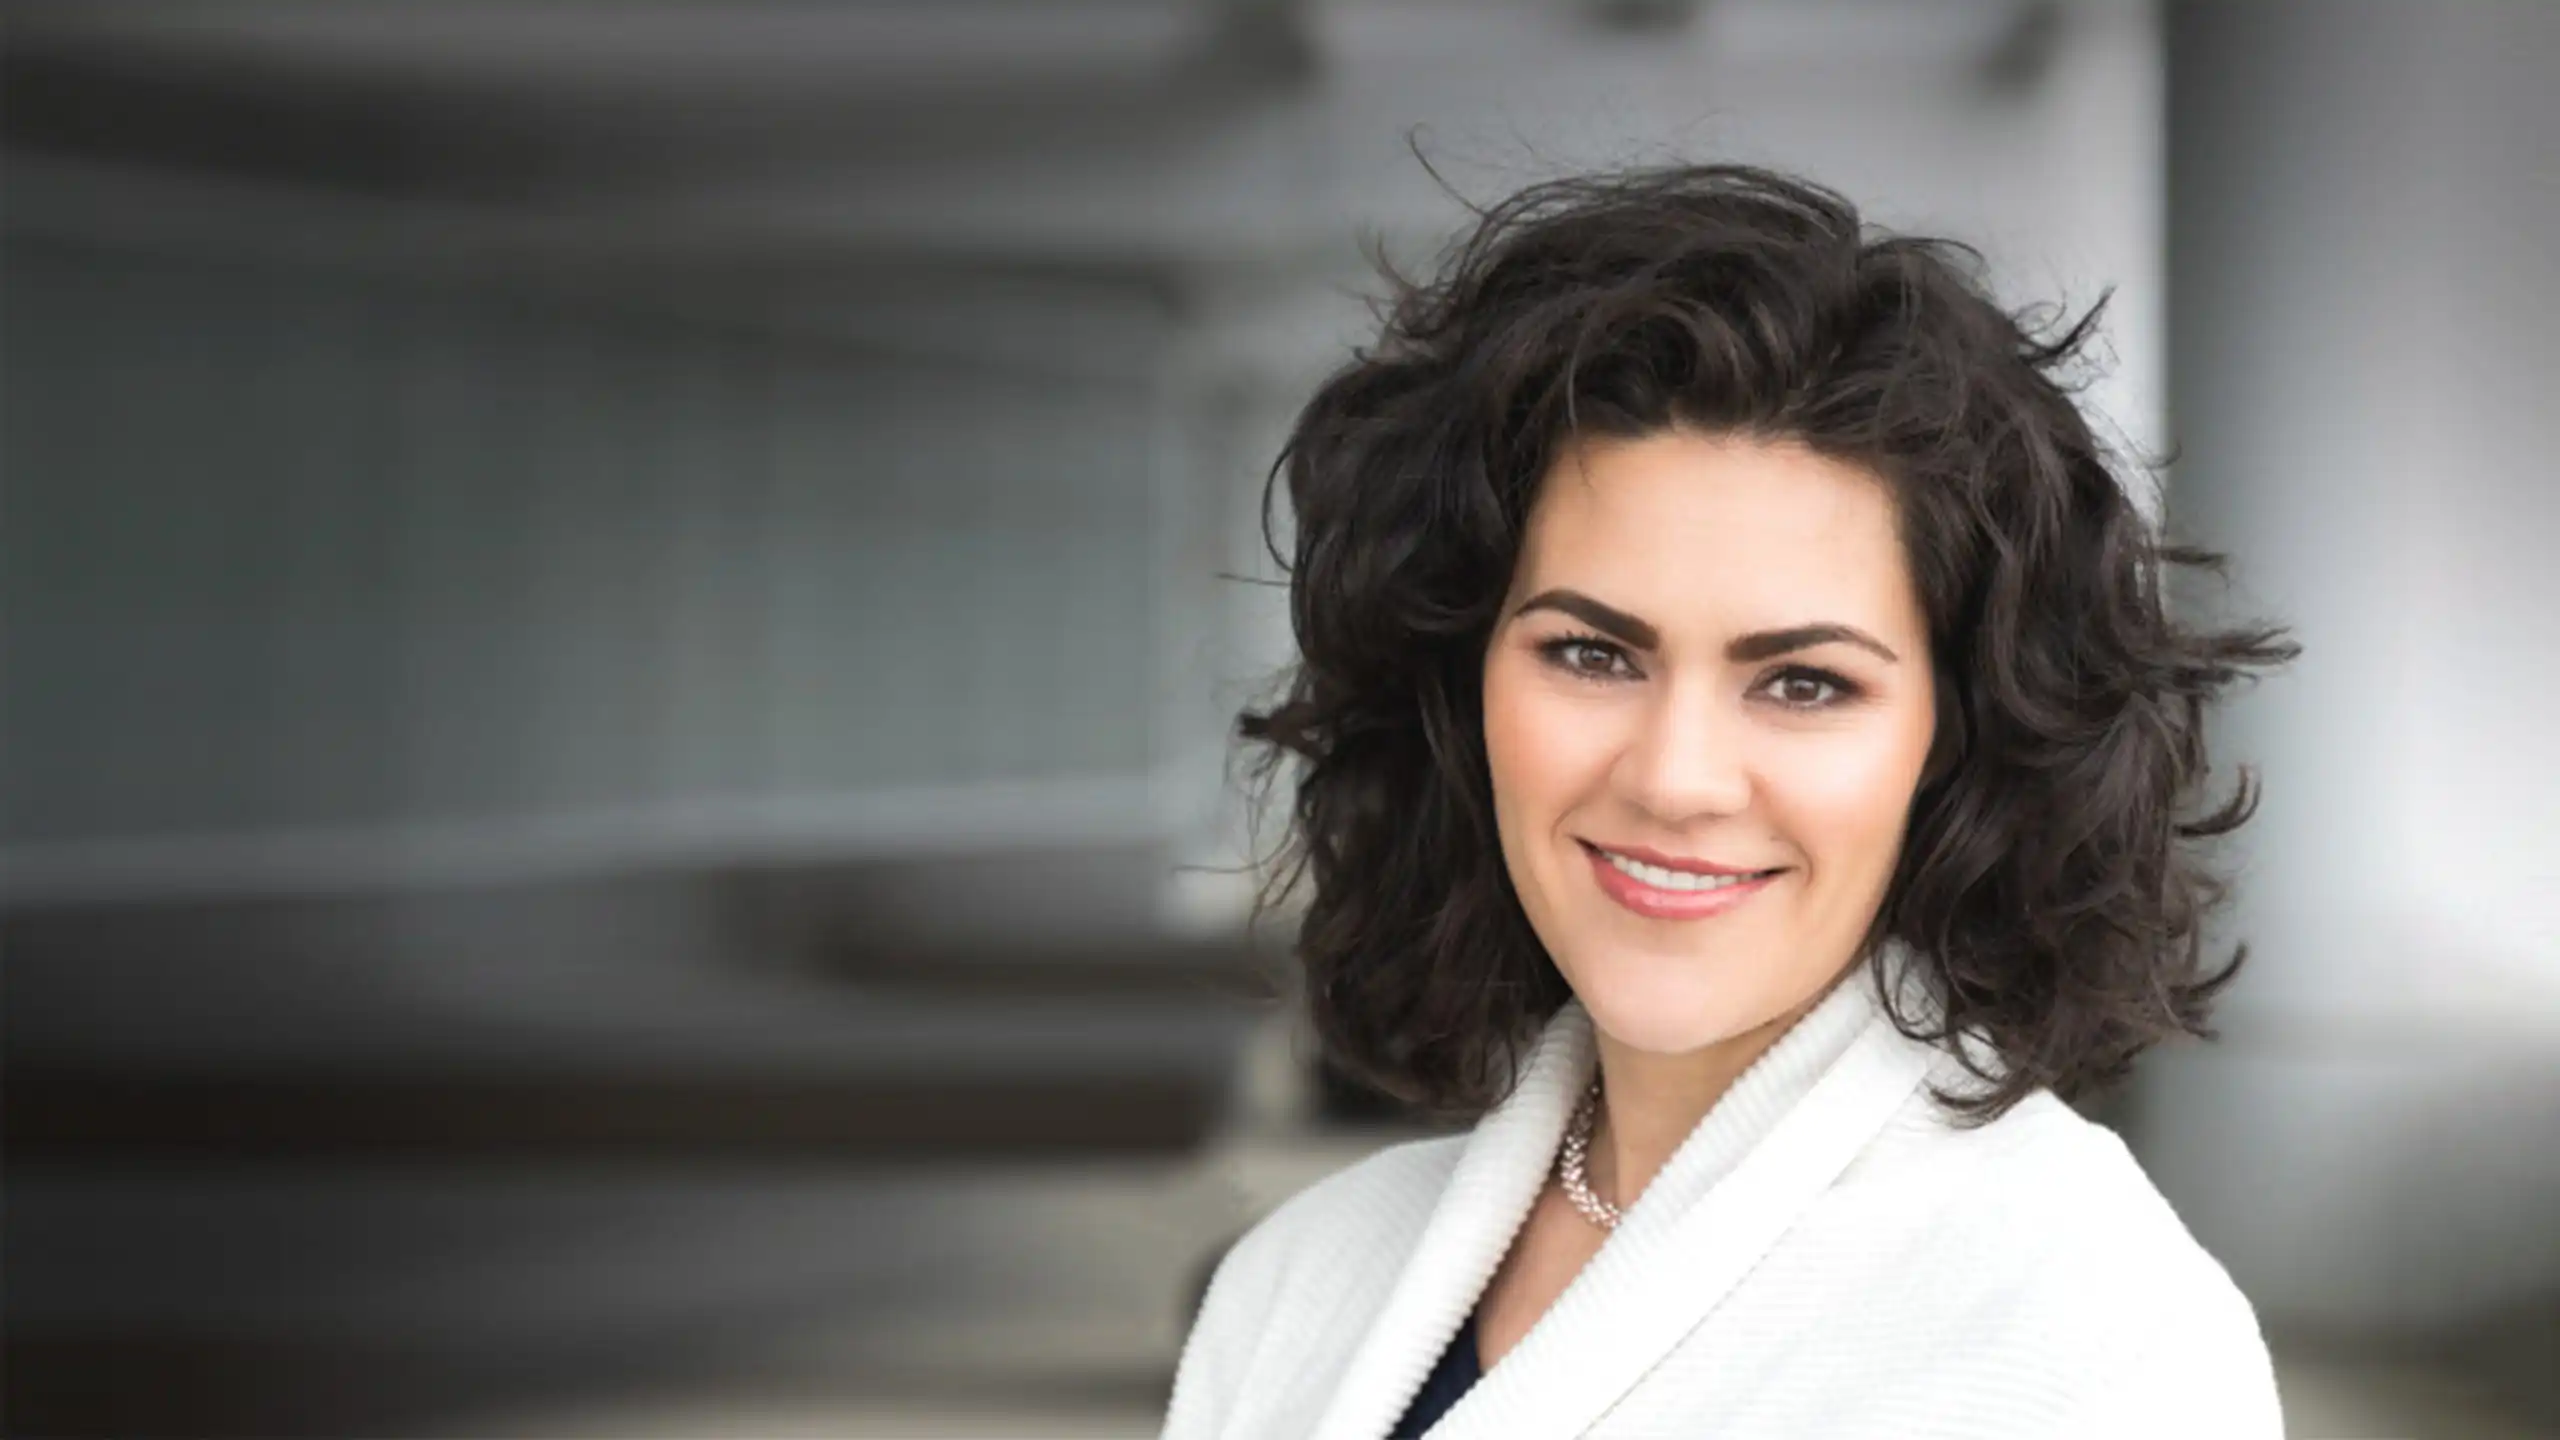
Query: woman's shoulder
pixel 1372 1209
pixel 2184 1350
pixel 2042 1179
pixel 2045 1162
pixel 1293 1293
pixel 2044 1222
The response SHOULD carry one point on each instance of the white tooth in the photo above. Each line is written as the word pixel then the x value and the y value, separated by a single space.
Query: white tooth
pixel 1662 879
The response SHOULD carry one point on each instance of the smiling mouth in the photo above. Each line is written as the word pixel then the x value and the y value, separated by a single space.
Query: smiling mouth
pixel 1663 877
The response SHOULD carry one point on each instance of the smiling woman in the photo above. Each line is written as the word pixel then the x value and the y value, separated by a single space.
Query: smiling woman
pixel 1747 766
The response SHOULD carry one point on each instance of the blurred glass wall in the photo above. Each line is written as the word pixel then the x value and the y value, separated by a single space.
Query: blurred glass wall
pixel 619 629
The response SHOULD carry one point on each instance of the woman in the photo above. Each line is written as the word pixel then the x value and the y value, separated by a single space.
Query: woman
pixel 1748 763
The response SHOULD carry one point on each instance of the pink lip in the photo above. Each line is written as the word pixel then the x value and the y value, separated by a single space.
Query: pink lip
pixel 1659 904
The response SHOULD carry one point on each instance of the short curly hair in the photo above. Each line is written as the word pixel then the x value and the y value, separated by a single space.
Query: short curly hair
pixel 2048 877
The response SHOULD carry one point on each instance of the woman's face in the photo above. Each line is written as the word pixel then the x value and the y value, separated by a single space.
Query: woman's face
pixel 1707 705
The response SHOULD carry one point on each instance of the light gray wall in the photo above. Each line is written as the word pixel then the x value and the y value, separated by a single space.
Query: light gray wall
pixel 2365 346
pixel 294 550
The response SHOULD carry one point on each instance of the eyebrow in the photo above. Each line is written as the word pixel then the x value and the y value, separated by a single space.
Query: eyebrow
pixel 1758 645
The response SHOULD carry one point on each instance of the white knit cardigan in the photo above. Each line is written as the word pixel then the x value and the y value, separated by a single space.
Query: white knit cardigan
pixel 1825 1255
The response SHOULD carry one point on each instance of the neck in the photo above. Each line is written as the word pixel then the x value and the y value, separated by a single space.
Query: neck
pixel 1651 1101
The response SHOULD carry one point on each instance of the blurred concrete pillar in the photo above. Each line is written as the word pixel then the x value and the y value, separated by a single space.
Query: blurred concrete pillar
pixel 2364 360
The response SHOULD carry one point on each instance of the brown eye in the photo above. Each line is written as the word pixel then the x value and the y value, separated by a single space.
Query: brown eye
pixel 1805 689
pixel 1590 658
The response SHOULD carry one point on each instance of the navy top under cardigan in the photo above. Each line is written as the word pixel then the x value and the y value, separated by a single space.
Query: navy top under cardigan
pixel 1459 1368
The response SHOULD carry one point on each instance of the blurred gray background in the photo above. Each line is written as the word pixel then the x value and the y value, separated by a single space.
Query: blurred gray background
pixel 618 625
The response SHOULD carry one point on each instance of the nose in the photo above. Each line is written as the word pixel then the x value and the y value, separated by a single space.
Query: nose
pixel 1687 759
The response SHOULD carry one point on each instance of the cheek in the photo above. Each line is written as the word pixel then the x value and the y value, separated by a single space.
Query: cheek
pixel 1848 802
pixel 1545 749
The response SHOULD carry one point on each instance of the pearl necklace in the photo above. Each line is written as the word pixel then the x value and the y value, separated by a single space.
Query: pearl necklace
pixel 1572 1162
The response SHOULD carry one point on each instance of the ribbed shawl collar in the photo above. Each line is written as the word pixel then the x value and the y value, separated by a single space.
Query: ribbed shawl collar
pixel 1770 1145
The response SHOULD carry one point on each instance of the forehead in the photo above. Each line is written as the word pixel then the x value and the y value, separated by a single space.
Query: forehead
pixel 1682 527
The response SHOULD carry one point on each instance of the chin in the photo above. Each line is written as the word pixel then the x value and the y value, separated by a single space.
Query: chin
pixel 1663 1005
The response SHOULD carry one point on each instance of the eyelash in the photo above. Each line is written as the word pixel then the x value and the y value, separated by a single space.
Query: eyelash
pixel 1843 691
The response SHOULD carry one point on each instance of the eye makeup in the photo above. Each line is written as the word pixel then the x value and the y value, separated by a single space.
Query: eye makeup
pixel 1616 666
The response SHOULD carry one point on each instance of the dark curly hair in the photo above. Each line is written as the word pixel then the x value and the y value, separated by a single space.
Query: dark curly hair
pixel 2047 878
